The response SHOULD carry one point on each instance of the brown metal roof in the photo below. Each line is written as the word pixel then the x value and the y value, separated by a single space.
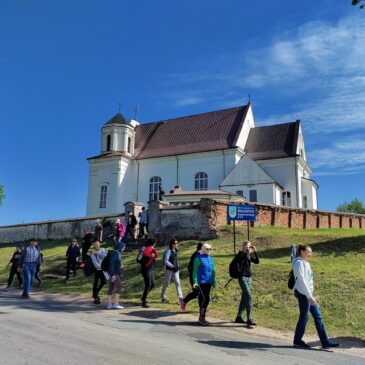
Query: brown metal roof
pixel 119 119
pixel 191 134
pixel 274 141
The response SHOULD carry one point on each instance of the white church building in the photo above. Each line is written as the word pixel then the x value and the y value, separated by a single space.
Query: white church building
pixel 219 150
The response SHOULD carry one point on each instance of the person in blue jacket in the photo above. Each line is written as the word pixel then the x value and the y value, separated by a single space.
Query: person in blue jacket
pixel 204 279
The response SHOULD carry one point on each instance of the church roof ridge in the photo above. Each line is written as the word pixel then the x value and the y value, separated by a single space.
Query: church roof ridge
pixel 194 115
pixel 277 124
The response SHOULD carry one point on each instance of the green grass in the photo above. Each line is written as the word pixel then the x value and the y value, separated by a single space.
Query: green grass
pixel 338 263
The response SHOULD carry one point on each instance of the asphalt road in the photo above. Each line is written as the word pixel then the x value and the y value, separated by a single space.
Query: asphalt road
pixel 53 329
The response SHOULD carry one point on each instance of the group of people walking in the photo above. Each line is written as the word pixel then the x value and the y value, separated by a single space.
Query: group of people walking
pixel 107 267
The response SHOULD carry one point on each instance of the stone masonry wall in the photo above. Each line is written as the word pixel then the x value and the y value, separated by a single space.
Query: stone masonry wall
pixel 50 230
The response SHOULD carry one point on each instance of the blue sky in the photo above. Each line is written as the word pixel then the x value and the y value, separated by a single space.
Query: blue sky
pixel 65 66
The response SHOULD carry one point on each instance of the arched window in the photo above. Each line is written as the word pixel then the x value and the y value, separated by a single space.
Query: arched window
pixel 108 142
pixel 201 181
pixel 129 145
pixel 155 185
pixel 103 193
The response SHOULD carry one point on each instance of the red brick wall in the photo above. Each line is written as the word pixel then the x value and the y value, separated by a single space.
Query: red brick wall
pixel 324 220
pixel 296 218
pixel 345 221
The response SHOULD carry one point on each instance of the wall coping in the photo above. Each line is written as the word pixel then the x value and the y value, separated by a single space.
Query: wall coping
pixel 65 220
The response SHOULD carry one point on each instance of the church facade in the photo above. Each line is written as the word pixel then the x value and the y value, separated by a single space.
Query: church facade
pixel 218 150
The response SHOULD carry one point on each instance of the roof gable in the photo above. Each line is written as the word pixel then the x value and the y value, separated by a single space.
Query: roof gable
pixel 204 132
pixel 245 172
pixel 273 141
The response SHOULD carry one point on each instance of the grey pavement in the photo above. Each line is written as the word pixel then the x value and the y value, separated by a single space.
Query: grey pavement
pixel 53 329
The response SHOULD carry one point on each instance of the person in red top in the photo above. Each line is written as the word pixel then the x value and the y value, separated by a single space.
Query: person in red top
pixel 148 269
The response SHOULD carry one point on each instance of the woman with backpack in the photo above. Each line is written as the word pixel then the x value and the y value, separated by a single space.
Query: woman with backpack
pixel 244 260
pixel 204 279
pixel 171 262
pixel 150 254
pixel 97 258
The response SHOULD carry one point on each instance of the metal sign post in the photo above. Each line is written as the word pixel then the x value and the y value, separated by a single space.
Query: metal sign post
pixel 241 213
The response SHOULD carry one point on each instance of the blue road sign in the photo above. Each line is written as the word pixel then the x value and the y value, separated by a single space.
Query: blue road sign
pixel 241 212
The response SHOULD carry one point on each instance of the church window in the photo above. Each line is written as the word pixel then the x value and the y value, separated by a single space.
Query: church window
pixel 201 181
pixel 108 142
pixel 103 192
pixel 239 192
pixel 286 198
pixel 253 195
pixel 129 145
pixel 305 202
pixel 155 186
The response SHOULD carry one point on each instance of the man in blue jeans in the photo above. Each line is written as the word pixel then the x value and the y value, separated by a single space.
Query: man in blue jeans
pixel 28 261
pixel 303 291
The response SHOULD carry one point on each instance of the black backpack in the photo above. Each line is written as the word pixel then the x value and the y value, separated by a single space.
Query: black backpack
pixel 89 268
pixel 235 267
pixel 105 263
pixel 141 259
pixel 291 280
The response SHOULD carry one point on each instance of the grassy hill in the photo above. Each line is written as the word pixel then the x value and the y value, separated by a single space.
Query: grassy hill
pixel 338 262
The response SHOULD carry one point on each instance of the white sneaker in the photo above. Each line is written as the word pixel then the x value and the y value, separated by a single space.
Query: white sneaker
pixel 117 306
pixel 109 306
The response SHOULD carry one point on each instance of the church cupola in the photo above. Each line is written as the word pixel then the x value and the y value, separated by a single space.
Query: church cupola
pixel 118 134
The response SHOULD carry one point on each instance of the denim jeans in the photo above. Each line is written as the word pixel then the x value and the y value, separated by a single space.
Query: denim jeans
pixel 28 275
pixel 120 239
pixel 304 309
pixel 246 299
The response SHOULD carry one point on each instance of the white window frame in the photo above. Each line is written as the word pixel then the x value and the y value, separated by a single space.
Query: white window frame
pixel 103 196
pixel 286 198
pixel 155 185
pixel 201 181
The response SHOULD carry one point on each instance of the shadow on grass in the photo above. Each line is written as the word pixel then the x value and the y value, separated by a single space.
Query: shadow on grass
pixel 336 247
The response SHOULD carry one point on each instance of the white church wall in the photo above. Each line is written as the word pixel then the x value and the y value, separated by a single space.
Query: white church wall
pixel 284 172
pixel 247 125
pixel 264 192
pixel 109 172
pixel 165 168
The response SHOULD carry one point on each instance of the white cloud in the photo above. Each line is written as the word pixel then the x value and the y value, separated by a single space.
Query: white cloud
pixel 317 70
pixel 343 157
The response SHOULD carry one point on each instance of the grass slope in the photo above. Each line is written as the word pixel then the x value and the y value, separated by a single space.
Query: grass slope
pixel 338 263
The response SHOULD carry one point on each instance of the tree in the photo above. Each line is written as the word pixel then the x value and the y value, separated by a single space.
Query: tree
pixel 358 2
pixel 356 206
pixel 2 195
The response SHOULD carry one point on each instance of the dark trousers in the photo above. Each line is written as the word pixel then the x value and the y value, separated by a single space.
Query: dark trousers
pixel 204 297
pixel 148 274
pixel 84 250
pixel 194 294
pixel 99 282
pixel 129 231
pixel 71 265
pixel 246 297
pixel 37 276
pixel 304 309
pixel 142 230
pixel 14 271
